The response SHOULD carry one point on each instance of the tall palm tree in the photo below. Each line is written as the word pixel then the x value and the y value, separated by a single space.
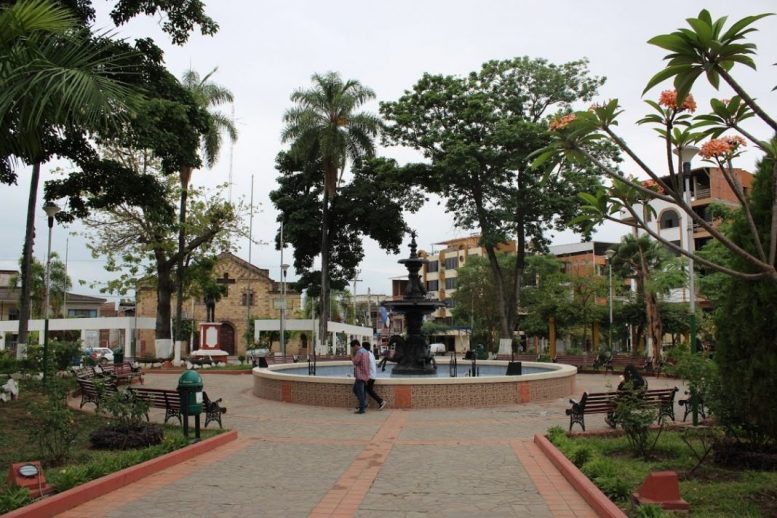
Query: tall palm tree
pixel 325 126
pixel 207 95
pixel 53 76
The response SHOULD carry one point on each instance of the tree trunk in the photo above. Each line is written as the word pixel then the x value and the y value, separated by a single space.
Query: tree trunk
pixel 324 298
pixel 186 174
pixel 164 291
pixel 499 289
pixel 655 328
pixel 26 273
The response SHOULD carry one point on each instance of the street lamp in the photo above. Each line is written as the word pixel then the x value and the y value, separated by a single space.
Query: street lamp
pixel 284 269
pixel 51 210
pixel 610 253
pixel 686 154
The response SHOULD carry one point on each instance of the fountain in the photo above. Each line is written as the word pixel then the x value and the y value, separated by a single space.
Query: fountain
pixel 414 381
pixel 412 354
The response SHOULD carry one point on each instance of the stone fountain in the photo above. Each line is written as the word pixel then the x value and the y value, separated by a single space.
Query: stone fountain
pixel 411 352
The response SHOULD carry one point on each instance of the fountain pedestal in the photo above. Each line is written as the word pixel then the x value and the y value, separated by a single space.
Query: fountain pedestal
pixel 412 353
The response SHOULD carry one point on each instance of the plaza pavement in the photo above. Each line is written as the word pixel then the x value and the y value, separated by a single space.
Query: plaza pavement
pixel 292 460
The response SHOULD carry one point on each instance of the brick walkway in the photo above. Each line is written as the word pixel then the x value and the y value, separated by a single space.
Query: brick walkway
pixel 293 460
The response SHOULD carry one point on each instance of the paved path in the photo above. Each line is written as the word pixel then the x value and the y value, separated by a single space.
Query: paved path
pixel 293 460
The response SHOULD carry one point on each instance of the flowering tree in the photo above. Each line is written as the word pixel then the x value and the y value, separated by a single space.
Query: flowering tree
pixel 706 48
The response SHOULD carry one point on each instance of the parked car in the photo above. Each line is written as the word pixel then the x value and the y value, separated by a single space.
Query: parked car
pixel 437 348
pixel 102 355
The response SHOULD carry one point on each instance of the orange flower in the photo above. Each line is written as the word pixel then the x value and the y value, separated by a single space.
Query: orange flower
pixel 668 98
pixel 715 148
pixel 724 147
pixel 561 122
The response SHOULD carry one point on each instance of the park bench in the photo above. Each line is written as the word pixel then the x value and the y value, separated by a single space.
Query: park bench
pixel 652 367
pixel 170 401
pixel 579 361
pixel 606 402
pixel 93 391
pixel 123 372
pixel 687 402
pixel 166 399
pixel 619 362
pixel 522 357
pixel 213 410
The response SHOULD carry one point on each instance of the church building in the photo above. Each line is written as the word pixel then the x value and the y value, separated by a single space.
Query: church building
pixel 251 294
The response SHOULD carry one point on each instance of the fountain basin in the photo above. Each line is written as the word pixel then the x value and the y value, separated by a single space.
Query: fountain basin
pixel 552 382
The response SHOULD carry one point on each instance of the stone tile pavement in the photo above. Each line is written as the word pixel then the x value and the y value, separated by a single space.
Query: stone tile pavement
pixel 293 460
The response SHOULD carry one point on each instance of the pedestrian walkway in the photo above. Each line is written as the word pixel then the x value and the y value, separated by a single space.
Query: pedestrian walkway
pixel 293 460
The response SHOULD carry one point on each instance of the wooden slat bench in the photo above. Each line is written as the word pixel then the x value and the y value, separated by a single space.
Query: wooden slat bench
pixel 619 363
pixel 93 391
pixel 579 361
pixel 605 403
pixel 124 372
pixel 213 410
pixel 523 357
pixel 687 402
pixel 168 400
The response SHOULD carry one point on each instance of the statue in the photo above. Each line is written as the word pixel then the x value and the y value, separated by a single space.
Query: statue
pixel 210 308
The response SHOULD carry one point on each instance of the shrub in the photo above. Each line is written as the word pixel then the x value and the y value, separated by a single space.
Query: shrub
pixel 651 511
pixel 8 363
pixel 581 455
pixel 635 417
pixel 55 433
pixel 13 498
pixel 615 487
pixel 128 430
pixel 63 353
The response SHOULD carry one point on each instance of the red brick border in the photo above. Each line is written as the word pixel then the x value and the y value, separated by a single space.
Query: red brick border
pixel 78 495
pixel 590 493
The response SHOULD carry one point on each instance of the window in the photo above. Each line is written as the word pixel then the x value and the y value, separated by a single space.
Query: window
pixel 432 285
pixel 669 219
pixel 450 284
pixel 432 266
pixel 82 313
pixel 451 263
pixel 13 314
pixel 247 298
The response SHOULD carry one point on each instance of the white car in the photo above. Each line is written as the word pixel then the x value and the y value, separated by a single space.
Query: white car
pixel 437 349
pixel 102 355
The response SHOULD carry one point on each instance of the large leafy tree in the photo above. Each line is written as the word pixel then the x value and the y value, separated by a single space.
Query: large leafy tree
pixel 55 84
pixel 139 236
pixel 477 134
pixel 706 49
pixel 325 128
pixel 369 205
pixel 206 95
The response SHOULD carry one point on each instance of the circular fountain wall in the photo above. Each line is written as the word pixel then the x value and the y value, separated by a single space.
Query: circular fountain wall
pixel 546 381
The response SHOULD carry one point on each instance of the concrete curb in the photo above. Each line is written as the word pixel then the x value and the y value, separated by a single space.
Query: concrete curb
pixel 78 495
pixel 590 493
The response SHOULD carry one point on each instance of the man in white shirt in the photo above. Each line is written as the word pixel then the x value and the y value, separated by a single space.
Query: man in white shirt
pixel 373 374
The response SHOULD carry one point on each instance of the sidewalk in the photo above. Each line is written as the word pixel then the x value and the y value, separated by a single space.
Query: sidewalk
pixel 293 460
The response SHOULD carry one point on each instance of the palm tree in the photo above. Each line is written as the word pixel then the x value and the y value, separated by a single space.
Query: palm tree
pixel 639 258
pixel 206 95
pixel 325 126
pixel 59 283
pixel 53 77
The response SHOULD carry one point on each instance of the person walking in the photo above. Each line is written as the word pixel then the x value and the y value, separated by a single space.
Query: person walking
pixel 361 373
pixel 369 387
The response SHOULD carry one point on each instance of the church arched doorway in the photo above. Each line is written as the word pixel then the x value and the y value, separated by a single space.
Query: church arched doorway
pixel 227 338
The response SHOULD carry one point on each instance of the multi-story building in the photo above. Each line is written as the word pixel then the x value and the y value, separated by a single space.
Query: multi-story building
pixel 708 186
pixel 440 273
pixel 582 259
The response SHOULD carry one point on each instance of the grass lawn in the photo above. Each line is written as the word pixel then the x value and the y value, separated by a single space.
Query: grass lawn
pixel 712 491
pixel 18 421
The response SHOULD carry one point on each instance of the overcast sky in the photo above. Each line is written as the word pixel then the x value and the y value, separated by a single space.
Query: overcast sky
pixel 265 50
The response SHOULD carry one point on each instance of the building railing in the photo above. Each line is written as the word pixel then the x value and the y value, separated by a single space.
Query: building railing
pixel 701 194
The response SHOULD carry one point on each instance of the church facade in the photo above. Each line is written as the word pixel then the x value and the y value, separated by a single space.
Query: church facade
pixel 251 294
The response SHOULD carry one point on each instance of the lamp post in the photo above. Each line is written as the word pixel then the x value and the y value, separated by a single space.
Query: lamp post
pixel 610 253
pixel 51 210
pixel 686 154
pixel 284 269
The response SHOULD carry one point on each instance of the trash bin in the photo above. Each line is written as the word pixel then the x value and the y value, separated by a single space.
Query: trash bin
pixel 118 355
pixel 480 352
